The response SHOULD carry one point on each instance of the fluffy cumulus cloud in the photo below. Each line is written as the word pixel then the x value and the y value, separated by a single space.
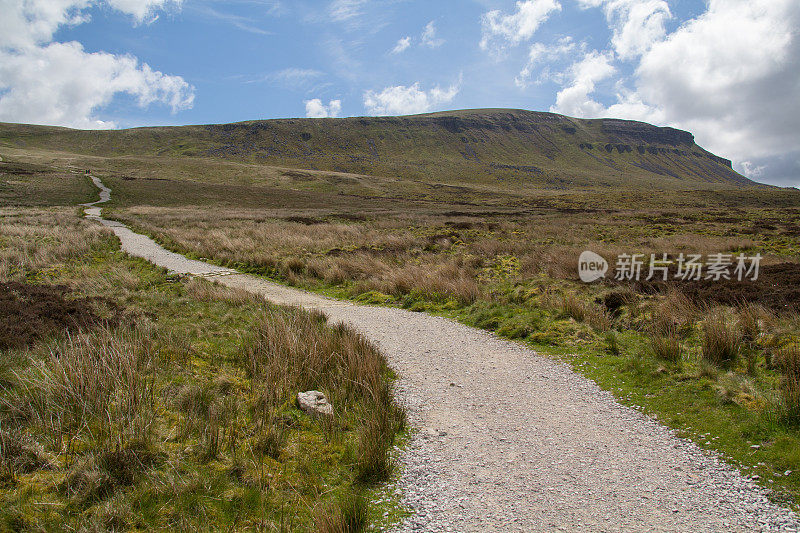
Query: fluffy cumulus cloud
pixel 501 30
pixel 62 84
pixel 316 109
pixel 410 100
pixel 731 76
pixel 636 24
pixel 575 99
pixel 48 82
pixel 25 23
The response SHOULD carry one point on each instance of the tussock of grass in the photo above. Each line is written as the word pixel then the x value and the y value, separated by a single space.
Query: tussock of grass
pixel 722 339
pixel 667 348
pixel 98 383
pixel 673 315
pixel 349 515
pixel 789 363
pixel 612 343
pixel 753 320
pixel 293 351
pixel 583 311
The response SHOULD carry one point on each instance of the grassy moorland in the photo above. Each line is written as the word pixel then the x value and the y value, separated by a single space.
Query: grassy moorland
pixel 133 401
pixel 717 360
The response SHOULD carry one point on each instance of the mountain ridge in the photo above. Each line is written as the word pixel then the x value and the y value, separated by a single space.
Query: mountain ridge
pixel 529 148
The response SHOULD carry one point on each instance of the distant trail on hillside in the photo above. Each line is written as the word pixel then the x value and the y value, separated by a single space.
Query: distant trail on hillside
pixel 506 440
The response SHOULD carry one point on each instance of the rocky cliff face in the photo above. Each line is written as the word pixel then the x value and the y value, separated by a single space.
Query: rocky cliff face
pixel 640 133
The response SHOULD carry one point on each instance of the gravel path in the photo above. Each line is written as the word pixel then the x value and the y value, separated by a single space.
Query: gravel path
pixel 506 440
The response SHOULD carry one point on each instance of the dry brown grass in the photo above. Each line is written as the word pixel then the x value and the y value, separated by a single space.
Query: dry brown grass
pixel 418 250
pixel 97 385
pixel 583 311
pixel 788 360
pixel 673 315
pixel 208 291
pixel 32 240
pixel 722 339
pixel 753 320
pixel 667 348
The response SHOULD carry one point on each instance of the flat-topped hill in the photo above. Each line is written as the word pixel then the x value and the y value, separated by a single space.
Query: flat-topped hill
pixel 544 150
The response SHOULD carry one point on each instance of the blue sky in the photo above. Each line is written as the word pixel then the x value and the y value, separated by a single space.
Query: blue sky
pixel 253 59
pixel 727 70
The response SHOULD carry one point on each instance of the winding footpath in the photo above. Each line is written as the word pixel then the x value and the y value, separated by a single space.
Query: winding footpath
pixel 506 440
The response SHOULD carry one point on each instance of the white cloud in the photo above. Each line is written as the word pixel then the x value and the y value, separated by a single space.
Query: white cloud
pixel 60 83
pixel 781 169
pixel 517 27
pixel 731 76
pixel 142 10
pixel 316 109
pixel 575 99
pixel 293 78
pixel 402 100
pixel 752 170
pixel 402 45
pixel 429 38
pixel 540 54
pixel 636 24
pixel 344 10
pixel 25 24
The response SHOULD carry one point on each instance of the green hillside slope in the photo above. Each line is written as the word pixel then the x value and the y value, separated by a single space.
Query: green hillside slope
pixel 475 146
